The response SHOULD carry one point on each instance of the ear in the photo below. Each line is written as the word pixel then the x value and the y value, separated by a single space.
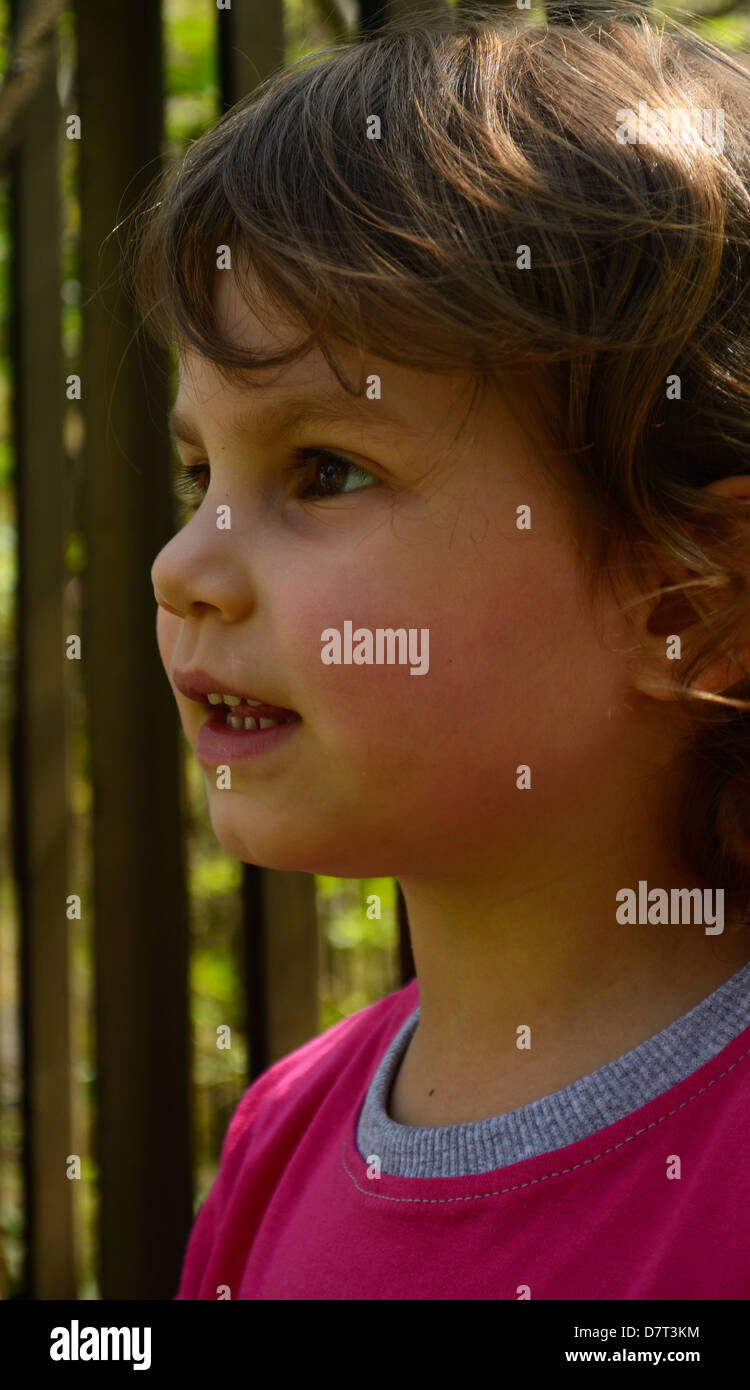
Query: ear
pixel 673 614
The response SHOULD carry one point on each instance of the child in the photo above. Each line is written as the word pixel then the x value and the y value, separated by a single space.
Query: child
pixel 464 347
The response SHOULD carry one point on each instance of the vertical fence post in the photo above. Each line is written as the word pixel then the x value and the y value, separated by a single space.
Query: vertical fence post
pixel 38 752
pixel 407 968
pixel 144 1141
pixel 251 46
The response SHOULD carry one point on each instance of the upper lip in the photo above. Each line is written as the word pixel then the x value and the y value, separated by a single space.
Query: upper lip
pixel 197 684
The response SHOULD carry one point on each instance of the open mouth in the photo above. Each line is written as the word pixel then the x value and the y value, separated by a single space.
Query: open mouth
pixel 234 712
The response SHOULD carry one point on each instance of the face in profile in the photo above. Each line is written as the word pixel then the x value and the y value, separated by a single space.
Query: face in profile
pixel 400 512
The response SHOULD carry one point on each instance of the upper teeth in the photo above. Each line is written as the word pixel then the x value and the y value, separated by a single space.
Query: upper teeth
pixel 238 721
pixel 232 700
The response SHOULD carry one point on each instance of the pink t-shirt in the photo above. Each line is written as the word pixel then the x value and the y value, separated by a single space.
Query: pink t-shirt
pixel 651 1207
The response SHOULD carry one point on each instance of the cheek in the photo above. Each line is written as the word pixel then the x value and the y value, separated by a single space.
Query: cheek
pixel 379 714
pixel 515 665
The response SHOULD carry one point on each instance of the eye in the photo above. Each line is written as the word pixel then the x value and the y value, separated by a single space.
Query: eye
pixel 332 476
pixel 186 482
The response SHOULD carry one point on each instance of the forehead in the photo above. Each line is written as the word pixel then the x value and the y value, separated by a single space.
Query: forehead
pixel 251 317
pixel 261 327
pixel 430 410
pixel 383 395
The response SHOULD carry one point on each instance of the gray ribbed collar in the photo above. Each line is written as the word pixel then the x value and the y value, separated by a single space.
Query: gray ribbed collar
pixel 550 1123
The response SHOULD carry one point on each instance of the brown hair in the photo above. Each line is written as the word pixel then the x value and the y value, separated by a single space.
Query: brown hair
pixel 495 135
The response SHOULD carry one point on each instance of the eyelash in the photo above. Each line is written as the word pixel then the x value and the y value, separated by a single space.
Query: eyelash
pixel 185 484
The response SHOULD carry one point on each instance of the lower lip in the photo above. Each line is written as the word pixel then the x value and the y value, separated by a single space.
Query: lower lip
pixel 216 743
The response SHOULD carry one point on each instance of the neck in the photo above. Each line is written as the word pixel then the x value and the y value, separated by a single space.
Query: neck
pixel 533 941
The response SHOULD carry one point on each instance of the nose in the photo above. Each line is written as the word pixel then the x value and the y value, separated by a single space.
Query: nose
pixel 161 601
pixel 202 568
pixel 161 572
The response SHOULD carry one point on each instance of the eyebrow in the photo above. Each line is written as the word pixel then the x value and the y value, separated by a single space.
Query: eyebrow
pixel 283 415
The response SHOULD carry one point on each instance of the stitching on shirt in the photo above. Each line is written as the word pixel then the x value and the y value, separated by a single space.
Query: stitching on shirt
pixel 500 1191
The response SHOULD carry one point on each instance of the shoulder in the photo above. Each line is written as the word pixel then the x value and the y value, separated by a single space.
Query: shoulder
pixel 342 1057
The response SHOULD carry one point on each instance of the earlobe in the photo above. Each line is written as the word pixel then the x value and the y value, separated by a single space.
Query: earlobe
pixel 721 676
pixel 669 653
pixel 724 672
pixel 716 680
pixel 672 616
pixel 734 487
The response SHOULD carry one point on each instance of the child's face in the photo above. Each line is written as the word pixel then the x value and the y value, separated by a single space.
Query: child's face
pixel 387 773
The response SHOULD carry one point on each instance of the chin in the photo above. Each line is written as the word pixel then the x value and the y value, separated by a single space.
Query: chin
pixel 283 854
pixel 264 850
